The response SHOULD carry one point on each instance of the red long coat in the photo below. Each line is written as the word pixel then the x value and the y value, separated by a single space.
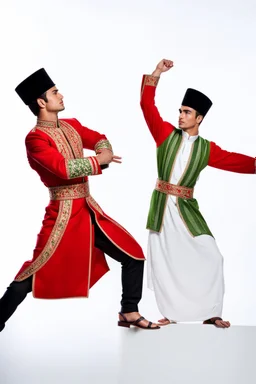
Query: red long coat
pixel 65 262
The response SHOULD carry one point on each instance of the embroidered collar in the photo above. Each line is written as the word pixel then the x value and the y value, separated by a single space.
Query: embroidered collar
pixel 188 138
pixel 47 123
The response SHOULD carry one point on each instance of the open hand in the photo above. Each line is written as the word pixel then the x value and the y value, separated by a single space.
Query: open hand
pixel 106 157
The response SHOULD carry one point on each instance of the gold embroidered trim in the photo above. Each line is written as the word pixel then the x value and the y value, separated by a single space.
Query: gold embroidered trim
pixel 80 167
pixel 55 237
pixel 47 123
pixel 90 257
pixel 174 190
pixel 59 139
pixel 90 200
pixel 69 192
pixel 66 138
pixel 112 241
pixel 103 144
pixel 73 138
pixel 151 80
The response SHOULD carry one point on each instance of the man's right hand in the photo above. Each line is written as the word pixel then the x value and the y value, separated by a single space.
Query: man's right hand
pixel 163 66
pixel 106 157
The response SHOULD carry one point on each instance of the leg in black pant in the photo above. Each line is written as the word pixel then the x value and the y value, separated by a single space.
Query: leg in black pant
pixel 132 271
pixel 132 277
pixel 14 295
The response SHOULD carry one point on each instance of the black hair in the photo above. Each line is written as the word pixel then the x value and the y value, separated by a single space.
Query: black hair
pixel 199 114
pixel 34 107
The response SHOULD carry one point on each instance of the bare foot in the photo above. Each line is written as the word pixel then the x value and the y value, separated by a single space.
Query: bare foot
pixel 165 321
pixel 222 324
pixel 133 316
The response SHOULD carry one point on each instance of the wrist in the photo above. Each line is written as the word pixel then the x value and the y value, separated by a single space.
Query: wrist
pixel 98 159
pixel 157 72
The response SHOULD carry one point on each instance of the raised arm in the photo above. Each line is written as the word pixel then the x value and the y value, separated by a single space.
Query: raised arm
pixel 230 161
pixel 159 128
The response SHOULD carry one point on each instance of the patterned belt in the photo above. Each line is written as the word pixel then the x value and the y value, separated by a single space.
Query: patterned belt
pixel 175 190
pixel 69 192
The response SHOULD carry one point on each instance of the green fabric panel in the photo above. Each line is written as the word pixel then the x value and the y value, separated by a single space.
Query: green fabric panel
pixel 156 211
pixel 188 208
pixel 191 215
pixel 166 154
pixel 198 162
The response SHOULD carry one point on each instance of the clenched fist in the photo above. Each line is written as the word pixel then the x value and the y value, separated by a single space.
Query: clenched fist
pixel 163 66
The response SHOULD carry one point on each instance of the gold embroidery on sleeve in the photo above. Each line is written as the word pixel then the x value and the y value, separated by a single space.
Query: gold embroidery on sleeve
pixel 79 168
pixel 151 80
pixel 103 144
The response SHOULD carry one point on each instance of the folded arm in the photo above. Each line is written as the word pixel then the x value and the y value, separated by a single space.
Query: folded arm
pixel 39 148
pixel 91 139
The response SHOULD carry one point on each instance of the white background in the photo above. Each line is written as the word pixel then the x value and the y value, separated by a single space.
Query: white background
pixel 96 52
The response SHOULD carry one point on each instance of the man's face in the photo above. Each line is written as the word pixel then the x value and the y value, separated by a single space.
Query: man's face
pixel 187 118
pixel 55 100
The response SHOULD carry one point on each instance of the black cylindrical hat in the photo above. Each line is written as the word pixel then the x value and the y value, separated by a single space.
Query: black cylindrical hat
pixel 34 86
pixel 197 100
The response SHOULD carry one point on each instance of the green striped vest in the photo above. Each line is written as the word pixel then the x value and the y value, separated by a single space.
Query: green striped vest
pixel 188 208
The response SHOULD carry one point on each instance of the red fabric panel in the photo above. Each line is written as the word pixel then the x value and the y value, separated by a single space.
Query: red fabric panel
pixel 230 161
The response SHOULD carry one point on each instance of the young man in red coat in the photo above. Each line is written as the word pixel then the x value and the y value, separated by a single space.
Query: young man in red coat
pixel 69 255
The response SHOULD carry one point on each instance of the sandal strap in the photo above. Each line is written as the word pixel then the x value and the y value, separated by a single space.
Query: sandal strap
pixel 212 320
pixel 123 316
pixel 139 320
pixel 149 324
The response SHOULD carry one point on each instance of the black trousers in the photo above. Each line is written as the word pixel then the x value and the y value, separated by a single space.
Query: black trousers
pixel 132 276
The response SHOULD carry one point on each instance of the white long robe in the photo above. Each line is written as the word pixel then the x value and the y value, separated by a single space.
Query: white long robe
pixel 185 272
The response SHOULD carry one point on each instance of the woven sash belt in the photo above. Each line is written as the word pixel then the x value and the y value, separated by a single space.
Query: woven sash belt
pixel 175 190
pixel 69 192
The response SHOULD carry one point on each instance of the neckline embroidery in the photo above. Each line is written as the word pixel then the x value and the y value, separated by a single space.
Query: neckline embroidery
pixel 47 123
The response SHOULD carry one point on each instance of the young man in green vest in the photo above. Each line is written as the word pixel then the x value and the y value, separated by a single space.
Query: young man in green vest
pixel 185 266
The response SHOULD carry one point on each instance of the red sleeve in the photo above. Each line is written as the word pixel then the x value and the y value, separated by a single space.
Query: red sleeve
pixel 230 161
pixel 159 129
pixel 90 138
pixel 41 150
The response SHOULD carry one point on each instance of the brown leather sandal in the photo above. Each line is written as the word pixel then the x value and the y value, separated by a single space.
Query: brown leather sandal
pixel 212 321
pixel 127 324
